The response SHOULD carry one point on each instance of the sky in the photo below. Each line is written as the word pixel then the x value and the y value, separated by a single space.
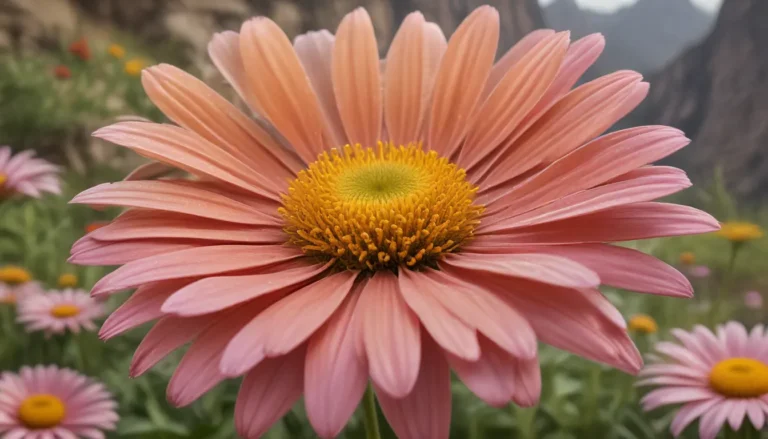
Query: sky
pixel 612 5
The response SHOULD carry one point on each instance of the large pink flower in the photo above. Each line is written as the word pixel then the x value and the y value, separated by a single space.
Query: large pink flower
pixel 717 377
pixel 48 402
pixel 26 174
pixel 468 219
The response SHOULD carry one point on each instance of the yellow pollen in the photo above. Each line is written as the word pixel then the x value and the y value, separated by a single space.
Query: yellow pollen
pixel 67 280
pixel 14 275
pixel 65 310
pixel 41 411
pixel 739 378
pixel 643 324
pixel 380 208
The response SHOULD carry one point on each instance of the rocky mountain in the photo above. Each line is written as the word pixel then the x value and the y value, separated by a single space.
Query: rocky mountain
pixel 717 92
pixel 642 37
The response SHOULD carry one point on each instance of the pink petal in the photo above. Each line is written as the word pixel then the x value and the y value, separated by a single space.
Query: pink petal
pixel 450 332
pixel 356 78
pixel 224 50
pixel 675 395
pixel 217 293
pixel 712 422
pixel 404 84
pixel 391 335
pixel 198 262
pixel 173 197
pixel 689 412
pixel 280 85
pixel 516 94
pixel 149 171
pixel 756 415
pixel 268 392
pixel 735 339
pixel 695 345
pixel 315 51
pixel 555 270
pixel 683 356
pixel 738 411
pixel 463 71
pixel 297 316
pixel 435 46
pixel 334 375
pixel 512 57
pixel 143 306
pixel 426 411
pixel 92 252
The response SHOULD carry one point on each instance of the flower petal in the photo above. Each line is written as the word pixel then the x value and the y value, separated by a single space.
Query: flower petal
pixel 92 252
pixel 689 412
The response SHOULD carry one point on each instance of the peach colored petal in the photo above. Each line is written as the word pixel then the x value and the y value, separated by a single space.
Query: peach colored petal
pixel 176 197
pixel 483 311
pixel 143 306
pixel 391 335
pixel 491 377
pixel 426 411
pixel 279 83
pixel 224 50
pixel 149 171
pixel 268 392
pixel 356 78
pixel 463 71
pixel 315 51
pixel 516 94
pixel 554 270
pixel 92 252
pixel 450 332
pixel 435 46
pixel 404 84
pixel 512 56
pixel 217 293
pixel 335 376
pixel 277 330
pixel 198 262
pixel 643 184
pixel 168 334
pixel 527 383
pixel 195 106
pixel 598 161
pixel 144 224
pixel 581 115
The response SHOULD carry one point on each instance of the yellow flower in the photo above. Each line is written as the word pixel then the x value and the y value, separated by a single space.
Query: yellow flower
pixel 67 280
pixel 12 274
pixel 643 324
pixel 740 231
pixel 687 258
pixel 135 66
pixel 116 50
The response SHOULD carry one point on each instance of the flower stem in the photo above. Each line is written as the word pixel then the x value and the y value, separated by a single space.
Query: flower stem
pixel 719 306
pixel 371 418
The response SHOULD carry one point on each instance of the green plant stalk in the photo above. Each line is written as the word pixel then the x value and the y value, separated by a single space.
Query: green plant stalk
pixel 591 399
pixel 526 418
pixel 371 418
pixel 719 306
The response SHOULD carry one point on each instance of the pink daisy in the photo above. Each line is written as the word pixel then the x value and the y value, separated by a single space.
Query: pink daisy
pixel 58 311
pixel 26 174
pixel 717 377
pixel 47 402
pixel 753 300
pixel 12 294
pixel 470 217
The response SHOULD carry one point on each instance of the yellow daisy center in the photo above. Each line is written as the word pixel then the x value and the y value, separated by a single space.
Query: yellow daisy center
pixel 67 280
pixel 3 179
pixel 65 310
pixel 14 275
pixel 41 411
pixel 740 378
pixel 8 298
pixel 379 208
pixel 738 231
pixel 643 324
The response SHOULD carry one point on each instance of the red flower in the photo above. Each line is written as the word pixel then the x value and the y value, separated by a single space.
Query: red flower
pixel 62 72
pixel 80 49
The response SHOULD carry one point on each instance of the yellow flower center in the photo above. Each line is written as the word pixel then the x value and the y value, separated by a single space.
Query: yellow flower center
pixel 740 378
pixel 687 258
pixel 3 179
pixel 41 411
pixel 65 310
pixel 134 67
pixel 379 208
pixel 116 51
pixel 8 298
pixel 737 231
pixel 643 324
pixel 67 280
pixel 14 275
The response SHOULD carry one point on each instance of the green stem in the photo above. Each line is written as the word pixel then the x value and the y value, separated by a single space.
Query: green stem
pixel 526 424
pixel 371 418
pixel 719 305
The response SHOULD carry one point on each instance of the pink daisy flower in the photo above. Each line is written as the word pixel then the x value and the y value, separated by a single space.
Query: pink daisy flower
pixel 12 294
pixel 48 402
pixel 699 271
pixel 717 377
pixel 469 217
pixel 753 300
pixel 26 174
pixel 58 311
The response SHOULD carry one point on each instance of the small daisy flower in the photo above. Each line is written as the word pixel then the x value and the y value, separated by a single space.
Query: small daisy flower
pixel 717 377
pixel 116 51
pixel 699 271
pixel 48 402
pixel 26 174
pixel 643 324
pixel 135 66
pixel 687 258
pixel 67 280
pixel 753 300
pixel 15 283
pixel 62 72
pixel 81 49
pixel 740 231
pixel 58 311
